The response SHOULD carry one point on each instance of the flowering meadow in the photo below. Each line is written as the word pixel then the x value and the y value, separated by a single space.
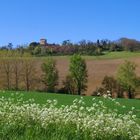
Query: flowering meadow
pixel 28 120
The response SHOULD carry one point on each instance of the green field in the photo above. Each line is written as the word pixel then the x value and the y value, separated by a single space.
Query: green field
pixel 117 55
pixel 72 118
pixel 63 99
pixel 106 55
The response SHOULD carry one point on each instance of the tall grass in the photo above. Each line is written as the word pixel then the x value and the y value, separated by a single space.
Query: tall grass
pixel 27 120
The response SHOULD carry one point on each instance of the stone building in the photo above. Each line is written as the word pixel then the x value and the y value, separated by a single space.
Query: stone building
pixel 43 42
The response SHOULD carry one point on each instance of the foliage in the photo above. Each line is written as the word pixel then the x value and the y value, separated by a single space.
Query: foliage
pixel 78 71
pixel 109 83
pixel 129 44
pixel 82 47
pixel 85 47
pixel 69 85
pixel 50 76
pixel 111 87
pixel 126 76
pixel 13 74
pixel 37 51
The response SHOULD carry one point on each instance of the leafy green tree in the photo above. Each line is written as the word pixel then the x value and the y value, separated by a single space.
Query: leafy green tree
pixel 78 71
pixel 67 43
pixel 127 77
pixel 50 76
pixel 37 50
pixel 10 46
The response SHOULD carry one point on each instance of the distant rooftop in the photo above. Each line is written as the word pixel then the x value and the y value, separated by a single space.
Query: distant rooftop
pixel 43 41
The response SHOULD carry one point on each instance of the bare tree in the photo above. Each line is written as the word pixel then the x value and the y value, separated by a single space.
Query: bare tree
pixel 17 69
pixel 28 71
pixel 6 69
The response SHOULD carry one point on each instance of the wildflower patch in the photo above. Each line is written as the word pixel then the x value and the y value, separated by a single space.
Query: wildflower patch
pixel 24 120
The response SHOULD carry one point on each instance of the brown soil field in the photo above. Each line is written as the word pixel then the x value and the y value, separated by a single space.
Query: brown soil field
pixel 97 69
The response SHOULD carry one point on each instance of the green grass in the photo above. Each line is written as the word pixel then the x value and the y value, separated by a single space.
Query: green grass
pixel 107 55
pixel 62 99
pixel 118 55
pixel 33 122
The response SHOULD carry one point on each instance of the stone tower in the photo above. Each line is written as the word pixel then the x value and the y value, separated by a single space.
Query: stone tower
pixel 43 42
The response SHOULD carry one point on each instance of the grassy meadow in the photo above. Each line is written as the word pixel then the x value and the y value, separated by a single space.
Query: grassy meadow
pixel 41 98
pixel 106 55
pixel 50 116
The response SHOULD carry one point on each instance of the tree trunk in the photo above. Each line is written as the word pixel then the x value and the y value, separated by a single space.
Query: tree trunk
pixel 8 81
pixel 16 78
pixel 129 93
pixel 79 90
pixel 27 82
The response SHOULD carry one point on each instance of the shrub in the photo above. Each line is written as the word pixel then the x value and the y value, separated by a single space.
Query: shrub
pixel 109 86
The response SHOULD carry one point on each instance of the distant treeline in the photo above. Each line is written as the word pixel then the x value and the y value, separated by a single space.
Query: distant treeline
pixel 82 47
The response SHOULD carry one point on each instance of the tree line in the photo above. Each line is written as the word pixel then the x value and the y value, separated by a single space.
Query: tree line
pixel 83 47
pixel 28 73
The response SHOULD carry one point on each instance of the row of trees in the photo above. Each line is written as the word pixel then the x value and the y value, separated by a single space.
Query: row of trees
pixel 75 81
pixel 19 73
pixel 23 73
pixel 82 47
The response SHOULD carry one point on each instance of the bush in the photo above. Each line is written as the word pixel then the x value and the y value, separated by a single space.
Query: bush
pixel 109 86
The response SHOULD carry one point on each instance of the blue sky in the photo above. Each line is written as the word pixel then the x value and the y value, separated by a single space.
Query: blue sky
pixel 24 21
